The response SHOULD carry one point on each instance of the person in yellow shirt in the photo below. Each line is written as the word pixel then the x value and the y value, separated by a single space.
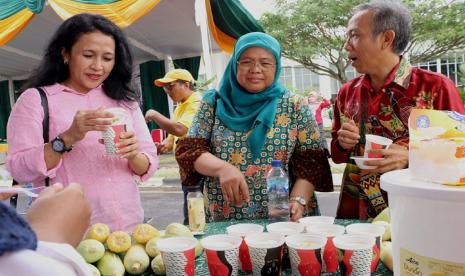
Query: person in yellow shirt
pixel 179 85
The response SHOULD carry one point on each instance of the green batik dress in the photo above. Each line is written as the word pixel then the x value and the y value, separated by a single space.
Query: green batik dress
pixel 293 139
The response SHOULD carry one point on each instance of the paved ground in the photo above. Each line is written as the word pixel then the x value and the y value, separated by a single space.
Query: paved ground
pixel 163 207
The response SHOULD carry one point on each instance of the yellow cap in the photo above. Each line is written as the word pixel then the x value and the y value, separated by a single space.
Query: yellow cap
pixel 174 75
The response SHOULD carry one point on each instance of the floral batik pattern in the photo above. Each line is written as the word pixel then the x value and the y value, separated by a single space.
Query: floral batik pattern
pixel 294 130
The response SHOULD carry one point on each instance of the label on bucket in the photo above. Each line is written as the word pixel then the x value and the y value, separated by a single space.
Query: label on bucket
pixel 414 264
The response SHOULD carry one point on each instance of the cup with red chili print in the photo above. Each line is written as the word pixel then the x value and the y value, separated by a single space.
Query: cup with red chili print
pixel 330 258
pixel 370 229
pixel 222 253
pixel 112 134
pixel 242 230
pixel 178 254
pixel 305 253
pixel 356 254
pixel 375 142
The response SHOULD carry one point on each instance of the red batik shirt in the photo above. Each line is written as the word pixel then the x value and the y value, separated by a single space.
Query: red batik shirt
pixel 385 113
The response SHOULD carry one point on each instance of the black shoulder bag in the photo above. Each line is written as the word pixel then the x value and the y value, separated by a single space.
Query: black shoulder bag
pixel 44 103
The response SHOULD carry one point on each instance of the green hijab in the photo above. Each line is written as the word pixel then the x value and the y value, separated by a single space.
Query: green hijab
pixel 241 110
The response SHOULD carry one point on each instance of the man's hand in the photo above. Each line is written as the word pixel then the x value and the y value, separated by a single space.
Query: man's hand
pixel 150 115
pixel 395 158
pixel 348 135
pixel 233 185
pixel 166 146
pixel 60 214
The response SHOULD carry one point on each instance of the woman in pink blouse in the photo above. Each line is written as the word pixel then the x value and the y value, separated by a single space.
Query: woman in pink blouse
pixel 86 68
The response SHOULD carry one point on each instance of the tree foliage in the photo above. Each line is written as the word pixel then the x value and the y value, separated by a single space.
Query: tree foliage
pixel 314 30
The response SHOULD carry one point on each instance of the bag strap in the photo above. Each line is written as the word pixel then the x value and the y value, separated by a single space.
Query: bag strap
pixel 45 122
pixel 45 128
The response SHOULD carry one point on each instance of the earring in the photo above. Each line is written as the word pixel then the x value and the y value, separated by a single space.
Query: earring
pixel 65 61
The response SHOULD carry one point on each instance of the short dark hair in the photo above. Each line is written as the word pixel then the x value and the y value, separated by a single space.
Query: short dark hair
pixel 390 15
pixel 52 68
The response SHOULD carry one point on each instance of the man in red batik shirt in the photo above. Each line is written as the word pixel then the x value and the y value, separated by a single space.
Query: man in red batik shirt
pixel 379 102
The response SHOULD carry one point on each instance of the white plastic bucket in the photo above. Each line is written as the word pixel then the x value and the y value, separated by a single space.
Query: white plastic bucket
pixel 427 225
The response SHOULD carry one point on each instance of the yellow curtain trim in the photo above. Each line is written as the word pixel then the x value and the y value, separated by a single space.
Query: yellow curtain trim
pixel 123 13
pixel 10 26
pixel 223 40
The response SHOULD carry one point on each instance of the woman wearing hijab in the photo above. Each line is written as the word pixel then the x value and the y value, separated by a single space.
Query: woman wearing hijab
pixel 251 120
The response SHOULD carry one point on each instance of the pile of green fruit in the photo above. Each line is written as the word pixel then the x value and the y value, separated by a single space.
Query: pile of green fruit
pixel 384 219
pixel 117 253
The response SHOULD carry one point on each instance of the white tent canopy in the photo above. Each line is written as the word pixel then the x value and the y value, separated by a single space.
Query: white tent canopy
pixel 169 29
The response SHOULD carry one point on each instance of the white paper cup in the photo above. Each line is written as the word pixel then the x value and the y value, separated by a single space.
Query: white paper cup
pixel 222 253
pixel 112 134
pixel 242 230
pixel 266 250
pixel 356 252
pixel 305 253
pixel 178 254
pixel 308 221
pixel 373 230
pixel 330 258
pixel 375 142
pixel 285 228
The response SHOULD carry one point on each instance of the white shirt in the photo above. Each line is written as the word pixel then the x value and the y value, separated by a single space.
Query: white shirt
pixel 50 259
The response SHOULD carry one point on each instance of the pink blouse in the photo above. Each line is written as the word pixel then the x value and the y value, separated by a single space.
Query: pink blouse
pixel 108 182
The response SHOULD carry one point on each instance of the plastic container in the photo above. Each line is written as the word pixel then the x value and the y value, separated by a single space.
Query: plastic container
pixel 278 193
pixel 196 209
pixel 427 222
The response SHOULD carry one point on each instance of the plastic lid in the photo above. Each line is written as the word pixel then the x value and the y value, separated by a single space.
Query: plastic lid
pixel 276 163
pixel 401 182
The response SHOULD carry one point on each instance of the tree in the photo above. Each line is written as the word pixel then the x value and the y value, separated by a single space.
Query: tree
pixel 310 30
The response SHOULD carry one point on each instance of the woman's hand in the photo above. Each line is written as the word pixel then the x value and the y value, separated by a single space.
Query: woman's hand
pixel 85 121
pixel 297 210
pixel 348 135
pixel 233 185
pixel 128 146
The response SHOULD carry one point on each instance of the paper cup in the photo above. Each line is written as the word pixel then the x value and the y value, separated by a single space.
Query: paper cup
pixel 373 230
pixel 178 254
pixel 375 142
pixel 285 228
pixel 266 251
pixel 242 230
pixel 308 221
pixel 305 253
pixel 356 254
pixel 112 134
pixel 330 258
pixel 222 253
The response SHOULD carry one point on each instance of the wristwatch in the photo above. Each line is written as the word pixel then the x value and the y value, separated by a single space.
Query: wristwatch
pixel 299 199
pixel 58 145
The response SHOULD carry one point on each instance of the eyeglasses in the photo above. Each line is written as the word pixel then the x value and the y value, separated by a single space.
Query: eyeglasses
pixel 250 64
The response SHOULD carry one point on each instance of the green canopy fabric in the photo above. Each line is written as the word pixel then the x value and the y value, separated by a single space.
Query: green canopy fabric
pixel 153 97
pixel 5 108
pixel 233 19
pixel 10 7
pixel 190 64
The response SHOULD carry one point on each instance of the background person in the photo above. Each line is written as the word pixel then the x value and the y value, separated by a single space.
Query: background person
pixel 44 244
pixel 379 102
pixel 87 66
pixel 179 85
pixel 239 129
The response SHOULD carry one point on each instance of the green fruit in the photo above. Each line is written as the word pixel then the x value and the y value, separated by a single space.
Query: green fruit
pixel 177 230
pixel 151 247
pixel 136 260
pixel 387 229
pixel 386 255
pixel 383 216
pixel 158 266
pixel 91 250
pixel 110 264
pixel 93 270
